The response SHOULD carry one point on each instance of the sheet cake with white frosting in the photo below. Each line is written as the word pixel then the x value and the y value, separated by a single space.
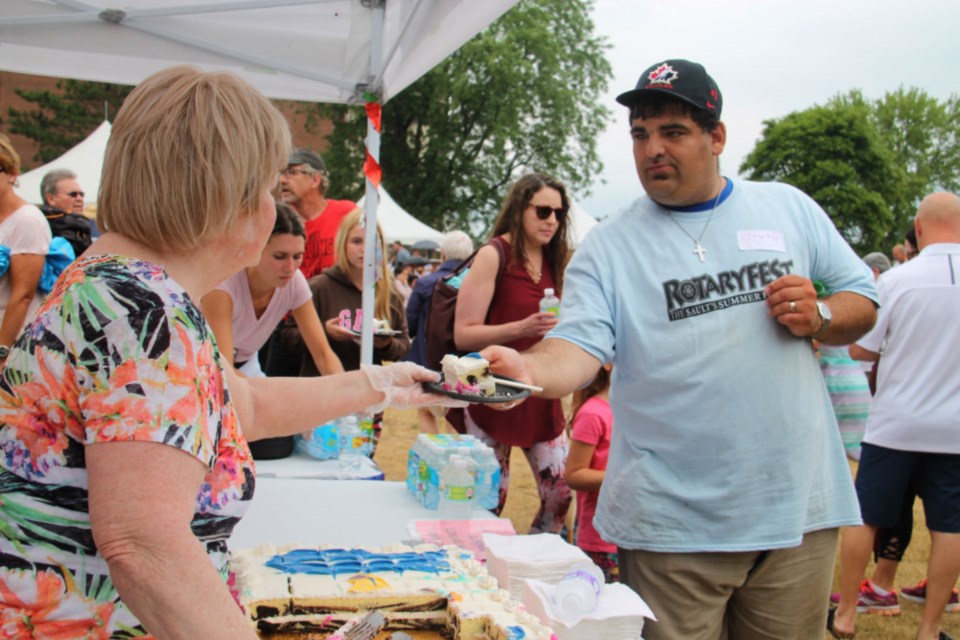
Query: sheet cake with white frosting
pixel 296 589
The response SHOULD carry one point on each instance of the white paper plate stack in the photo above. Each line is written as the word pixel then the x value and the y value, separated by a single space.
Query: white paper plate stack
pixel 542 556
pixel 619 614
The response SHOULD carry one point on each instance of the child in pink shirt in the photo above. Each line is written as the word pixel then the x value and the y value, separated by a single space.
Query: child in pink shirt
pixel 586 466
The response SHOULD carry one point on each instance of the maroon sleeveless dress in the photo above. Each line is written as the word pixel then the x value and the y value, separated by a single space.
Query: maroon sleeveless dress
pixel 516 297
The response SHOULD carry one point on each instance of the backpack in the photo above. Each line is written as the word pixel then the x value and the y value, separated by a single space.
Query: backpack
pixel 74 227
pixel 443 307
pixel 59 257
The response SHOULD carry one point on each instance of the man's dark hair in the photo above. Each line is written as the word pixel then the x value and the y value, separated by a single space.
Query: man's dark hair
pixel 656 105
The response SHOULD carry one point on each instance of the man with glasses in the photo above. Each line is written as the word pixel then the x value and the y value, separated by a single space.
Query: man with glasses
pixel 303 186
pixel 63 208
pixel 727 481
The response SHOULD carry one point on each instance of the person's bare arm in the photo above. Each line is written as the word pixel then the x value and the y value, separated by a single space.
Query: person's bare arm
pixel 217 308
pixel 24 275
pixel 316 338
pixel 142 499
pixel 559 366
pixel 473 303
pixel 271 407
pixel 853 315
pixel 579 475
pixel 859 353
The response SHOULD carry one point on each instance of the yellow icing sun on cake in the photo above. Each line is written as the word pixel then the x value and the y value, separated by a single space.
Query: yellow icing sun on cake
pixel 293 590
pixel 469 375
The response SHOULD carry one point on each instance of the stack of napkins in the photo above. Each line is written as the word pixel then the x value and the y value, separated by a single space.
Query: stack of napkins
pixel 541 556
pixel 619 613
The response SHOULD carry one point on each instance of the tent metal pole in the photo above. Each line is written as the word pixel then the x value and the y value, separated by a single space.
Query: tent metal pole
pixel 370 240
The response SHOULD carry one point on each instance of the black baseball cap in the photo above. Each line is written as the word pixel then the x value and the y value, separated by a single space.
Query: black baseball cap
pixel 683 79
pixel 306 156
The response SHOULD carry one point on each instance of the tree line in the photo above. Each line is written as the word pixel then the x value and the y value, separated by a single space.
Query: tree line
pixel 525 95
pixel 868 163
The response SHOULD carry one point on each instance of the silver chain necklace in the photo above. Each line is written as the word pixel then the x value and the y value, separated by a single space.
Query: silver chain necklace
pixel 698 248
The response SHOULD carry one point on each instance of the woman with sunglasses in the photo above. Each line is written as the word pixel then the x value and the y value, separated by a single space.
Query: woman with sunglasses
pixel 532 231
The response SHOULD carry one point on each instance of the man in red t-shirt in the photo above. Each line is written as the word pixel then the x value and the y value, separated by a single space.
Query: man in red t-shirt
pixel 303 186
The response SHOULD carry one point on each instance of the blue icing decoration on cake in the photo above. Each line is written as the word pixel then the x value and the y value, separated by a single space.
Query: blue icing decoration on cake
pixel 333 562
pixel 516 633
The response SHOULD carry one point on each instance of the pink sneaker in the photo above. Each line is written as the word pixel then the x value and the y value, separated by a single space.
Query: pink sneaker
pixel 918 593
pixel 870 601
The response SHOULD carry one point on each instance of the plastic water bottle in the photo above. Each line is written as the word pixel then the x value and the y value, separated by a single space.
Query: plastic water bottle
pixel 456 488
pixel 321 442
pixel 488 477
pixel 351 437
pixel 550 303
pixel 578 592
pixel 366 429
pixel 431 464
pixel 414 457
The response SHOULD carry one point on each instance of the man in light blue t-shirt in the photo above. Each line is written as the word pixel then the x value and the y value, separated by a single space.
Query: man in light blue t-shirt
pixel 727 481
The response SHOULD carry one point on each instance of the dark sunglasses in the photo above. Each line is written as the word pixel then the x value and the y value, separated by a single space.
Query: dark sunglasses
pixel 75 194
pixel 544 212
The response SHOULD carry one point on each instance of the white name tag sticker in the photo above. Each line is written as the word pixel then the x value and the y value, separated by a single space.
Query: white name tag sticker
pixel 759 240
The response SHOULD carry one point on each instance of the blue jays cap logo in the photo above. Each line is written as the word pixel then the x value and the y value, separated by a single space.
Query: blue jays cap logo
pixel 664 74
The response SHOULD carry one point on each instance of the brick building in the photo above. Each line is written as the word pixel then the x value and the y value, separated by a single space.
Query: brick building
pixel 10 82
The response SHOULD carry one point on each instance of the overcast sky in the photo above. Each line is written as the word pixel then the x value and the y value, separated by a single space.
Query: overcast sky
pixel 770 58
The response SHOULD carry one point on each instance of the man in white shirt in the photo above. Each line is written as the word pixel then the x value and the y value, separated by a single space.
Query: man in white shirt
pixel 912 439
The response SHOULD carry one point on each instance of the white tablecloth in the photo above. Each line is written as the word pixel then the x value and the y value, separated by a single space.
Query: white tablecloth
pixel 301 465
pixel 337 512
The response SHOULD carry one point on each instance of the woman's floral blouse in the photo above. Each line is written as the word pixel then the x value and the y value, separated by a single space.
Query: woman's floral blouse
pixel 117 352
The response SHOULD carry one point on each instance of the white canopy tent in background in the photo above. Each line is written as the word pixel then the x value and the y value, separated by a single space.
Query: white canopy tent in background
pixel 85 160
pixel 342 51
pixel 582 223
pixel 312 50
pixel 397 224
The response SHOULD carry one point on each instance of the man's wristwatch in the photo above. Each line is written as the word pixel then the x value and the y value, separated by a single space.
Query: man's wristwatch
pixel 4 351
pixel 825 317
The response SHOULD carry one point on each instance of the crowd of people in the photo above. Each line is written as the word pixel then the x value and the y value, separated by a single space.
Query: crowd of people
pixel 725 327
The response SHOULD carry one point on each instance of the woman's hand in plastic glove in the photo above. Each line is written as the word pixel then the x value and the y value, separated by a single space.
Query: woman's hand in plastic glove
pixel 402 386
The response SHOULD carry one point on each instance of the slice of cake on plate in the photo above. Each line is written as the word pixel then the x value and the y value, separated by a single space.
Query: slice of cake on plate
pixel 381 327
pixel 469 375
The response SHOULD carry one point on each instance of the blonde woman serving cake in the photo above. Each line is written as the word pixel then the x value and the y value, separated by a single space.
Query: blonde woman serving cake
pixel 123 430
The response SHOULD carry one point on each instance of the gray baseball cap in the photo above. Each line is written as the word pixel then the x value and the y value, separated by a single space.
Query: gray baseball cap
pixel 306 156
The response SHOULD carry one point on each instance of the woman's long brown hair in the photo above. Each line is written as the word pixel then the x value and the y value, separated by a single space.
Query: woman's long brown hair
pixel 510 220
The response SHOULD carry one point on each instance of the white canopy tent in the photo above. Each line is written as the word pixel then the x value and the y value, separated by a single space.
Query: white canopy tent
pixel 343 51
pixel 582 223
pixel 397 224
pixel 313 50
pixel 85 160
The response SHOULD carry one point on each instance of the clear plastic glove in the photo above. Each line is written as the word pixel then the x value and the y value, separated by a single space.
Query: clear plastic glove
pixel 401 384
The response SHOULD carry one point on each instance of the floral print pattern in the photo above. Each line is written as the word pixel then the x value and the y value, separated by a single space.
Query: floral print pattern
pixel 118 352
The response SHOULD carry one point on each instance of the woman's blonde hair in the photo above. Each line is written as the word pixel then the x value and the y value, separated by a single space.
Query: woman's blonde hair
pixel 9 158
pixel 384 285
pixel 190 155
